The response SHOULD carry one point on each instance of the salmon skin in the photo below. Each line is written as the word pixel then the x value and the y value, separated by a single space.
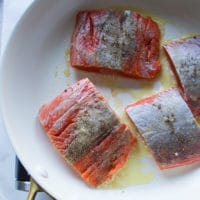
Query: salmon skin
pixel 168 128
pixel 184 55
pixel 120 42
pixel 87 133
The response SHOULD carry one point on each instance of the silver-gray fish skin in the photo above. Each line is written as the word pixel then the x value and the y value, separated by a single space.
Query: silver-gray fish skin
pixel 185 55
pixel 168 127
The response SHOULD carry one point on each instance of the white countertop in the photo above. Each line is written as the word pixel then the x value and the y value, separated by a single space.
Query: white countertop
pixel 12 11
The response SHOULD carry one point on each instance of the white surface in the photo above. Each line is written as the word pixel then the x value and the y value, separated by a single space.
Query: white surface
pixel 11 13
pixel 34 54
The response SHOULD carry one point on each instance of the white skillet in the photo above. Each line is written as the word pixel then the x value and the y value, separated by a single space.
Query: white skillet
pixel 32 74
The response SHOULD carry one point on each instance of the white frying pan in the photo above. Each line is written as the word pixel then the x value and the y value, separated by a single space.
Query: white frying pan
pixel 32 74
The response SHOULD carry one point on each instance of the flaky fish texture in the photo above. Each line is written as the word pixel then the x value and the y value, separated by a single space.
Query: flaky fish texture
pixel 87 133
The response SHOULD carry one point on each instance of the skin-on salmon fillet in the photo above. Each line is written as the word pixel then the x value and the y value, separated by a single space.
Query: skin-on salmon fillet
pixel 184 55
pixel 87 133
pixel 120 42
pixel 168 128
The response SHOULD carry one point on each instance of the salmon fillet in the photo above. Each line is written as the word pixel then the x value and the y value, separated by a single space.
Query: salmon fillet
pixel 184 55
pixel 87 133
pixel 168 128
pixel 120 42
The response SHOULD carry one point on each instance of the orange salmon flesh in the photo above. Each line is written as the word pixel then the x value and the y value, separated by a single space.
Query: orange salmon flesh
pixel 87 133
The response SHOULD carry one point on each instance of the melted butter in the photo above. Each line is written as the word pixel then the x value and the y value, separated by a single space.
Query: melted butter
pixel 132 173
pixel 67 61
pixel 118 103
pixel 146 89
pixel 110 81
pixel 198 120
pixel 166 78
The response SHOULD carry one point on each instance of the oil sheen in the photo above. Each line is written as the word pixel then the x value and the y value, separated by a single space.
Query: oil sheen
pixel 67 61
pixel 133 171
